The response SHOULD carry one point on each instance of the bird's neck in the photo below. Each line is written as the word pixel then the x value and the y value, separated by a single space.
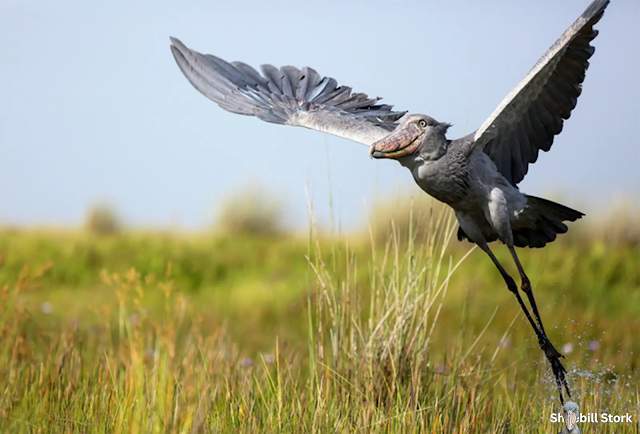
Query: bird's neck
pixel 431 150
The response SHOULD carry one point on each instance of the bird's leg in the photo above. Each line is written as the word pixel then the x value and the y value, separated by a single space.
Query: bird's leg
pixel 526 287
pixel 474 233
pixel 552 354
pixel 511 285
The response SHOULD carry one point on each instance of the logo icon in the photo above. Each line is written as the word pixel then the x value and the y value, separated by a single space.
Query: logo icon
pixel 571 415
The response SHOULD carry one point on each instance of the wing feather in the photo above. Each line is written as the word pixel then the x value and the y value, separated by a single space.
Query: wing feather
pixel 287 96
pixel 527 120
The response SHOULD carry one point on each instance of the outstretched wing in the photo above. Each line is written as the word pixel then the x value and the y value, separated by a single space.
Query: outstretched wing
pixel 533 113
pixel 287 96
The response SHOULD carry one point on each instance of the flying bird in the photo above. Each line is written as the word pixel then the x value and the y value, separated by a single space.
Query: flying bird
pixel 477 175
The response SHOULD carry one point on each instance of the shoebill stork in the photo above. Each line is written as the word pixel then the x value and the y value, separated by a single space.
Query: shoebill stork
pixel 477 175
pixel 571 414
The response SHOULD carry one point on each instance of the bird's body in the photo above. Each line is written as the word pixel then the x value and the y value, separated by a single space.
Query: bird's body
pixel 487 206
pixel 477 175
pixel 466 179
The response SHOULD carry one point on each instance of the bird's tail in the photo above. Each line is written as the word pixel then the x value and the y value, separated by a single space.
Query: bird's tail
pixel 549 223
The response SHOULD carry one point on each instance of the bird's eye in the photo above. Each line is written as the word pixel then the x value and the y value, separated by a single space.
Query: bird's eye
pixel 422 123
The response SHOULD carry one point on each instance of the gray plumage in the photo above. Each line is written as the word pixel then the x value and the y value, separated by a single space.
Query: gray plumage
pixel 288 96
pixel 477 175
pixel 533 113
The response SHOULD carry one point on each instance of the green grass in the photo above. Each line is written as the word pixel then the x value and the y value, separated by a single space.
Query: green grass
pixel 159 332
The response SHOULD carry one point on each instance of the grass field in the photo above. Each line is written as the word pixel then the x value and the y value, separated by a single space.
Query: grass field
pixel 400 331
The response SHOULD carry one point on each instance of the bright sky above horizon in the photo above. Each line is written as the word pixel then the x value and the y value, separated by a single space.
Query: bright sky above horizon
pixel 93 107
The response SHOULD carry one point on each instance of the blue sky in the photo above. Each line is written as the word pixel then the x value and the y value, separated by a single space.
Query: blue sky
pixel 93 107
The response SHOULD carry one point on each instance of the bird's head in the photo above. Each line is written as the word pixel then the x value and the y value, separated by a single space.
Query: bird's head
pixel 571 414
pixel 416 135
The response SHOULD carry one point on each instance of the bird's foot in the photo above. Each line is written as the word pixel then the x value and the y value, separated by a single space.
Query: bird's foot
pixel 558 369
pixel 548 348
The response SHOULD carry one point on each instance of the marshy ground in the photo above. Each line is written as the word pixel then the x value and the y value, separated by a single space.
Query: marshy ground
pixel 400 329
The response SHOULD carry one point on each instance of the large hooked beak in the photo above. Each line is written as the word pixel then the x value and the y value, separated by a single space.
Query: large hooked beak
pixel 571 419
pixel 403 141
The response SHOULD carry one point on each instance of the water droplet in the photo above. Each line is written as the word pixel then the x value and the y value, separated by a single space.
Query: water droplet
pixel 46 308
